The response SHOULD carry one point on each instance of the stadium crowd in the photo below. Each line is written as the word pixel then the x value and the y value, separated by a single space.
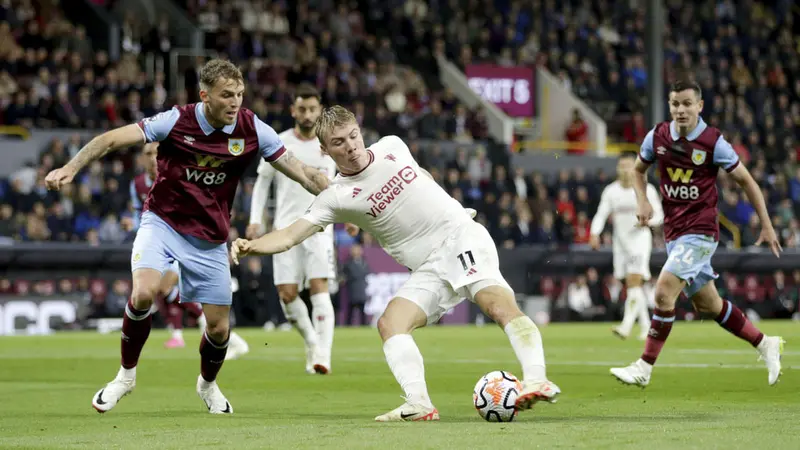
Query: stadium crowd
pixel 52 76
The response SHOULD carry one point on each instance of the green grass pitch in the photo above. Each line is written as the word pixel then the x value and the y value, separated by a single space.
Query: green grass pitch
pixel 708 391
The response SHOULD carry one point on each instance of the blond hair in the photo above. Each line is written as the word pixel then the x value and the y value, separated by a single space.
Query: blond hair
pixel 216 69
pixel 335 116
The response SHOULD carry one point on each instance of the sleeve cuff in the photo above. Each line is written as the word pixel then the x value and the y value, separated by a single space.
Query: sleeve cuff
pixel 274 157
pixel 646 161
pixel 732 167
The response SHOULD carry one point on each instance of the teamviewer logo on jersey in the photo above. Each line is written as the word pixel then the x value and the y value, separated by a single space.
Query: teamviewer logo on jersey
pixel 356 191
pixel 390 191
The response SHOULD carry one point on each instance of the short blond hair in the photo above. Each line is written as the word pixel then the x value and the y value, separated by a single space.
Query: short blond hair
pixel 215 69
pixel 335 116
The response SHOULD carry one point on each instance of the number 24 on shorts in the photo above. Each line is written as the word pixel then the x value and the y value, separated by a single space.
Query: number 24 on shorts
pixel 682 255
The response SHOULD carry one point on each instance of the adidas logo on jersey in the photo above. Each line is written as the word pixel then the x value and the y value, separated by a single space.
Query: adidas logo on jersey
pixel 356 191
pixel 472 271
pixel 390 157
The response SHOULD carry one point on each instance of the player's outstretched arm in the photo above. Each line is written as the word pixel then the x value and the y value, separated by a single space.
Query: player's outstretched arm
pixel 258 203
pixel 750 187
pixel 98 147
pixel 644 210
pixel 277 241
pixel 310 178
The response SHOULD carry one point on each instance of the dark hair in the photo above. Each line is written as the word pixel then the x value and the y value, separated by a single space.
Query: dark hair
pixel 682 85
pixel 628 154
pixel 306 91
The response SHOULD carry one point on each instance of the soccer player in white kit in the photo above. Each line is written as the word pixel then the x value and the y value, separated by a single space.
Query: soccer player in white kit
pixel 632 243
pixel 313 260
pixel 384 191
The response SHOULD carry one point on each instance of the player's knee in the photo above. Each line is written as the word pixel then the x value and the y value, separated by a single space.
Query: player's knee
pixel 287 293
pixel 143 296
pixel 388 327
pixel 664 299
pixel 499 304
pixel 164 291
pixel 218 330
pixel 318 285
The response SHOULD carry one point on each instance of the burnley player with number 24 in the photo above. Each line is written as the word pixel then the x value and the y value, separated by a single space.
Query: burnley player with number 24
pixel 689 154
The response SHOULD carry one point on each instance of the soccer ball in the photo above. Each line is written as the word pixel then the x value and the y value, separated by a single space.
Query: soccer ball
pixel 495 396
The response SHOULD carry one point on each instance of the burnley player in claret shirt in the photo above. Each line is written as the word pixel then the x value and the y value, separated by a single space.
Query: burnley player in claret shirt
pixel 689 154
pixel 204 150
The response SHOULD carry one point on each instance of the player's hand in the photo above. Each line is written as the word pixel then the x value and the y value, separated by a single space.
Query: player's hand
pixel 644 212
pixel 240 247
pixel 253 231
pixel 126 223
pixel 769 237
pixel 594 241
pixel 59 177
pixel 352 229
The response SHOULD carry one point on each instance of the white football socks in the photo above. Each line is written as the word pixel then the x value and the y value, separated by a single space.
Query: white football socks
pixel 635 308
pixel 527 344
pixel 405 362
pixel 642 311
pixel 630 310
pixel 297 313
pixel 324 320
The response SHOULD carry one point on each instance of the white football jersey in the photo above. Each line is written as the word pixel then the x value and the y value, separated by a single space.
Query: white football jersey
pixel 392 199
pixel 292 199
pixel 621 203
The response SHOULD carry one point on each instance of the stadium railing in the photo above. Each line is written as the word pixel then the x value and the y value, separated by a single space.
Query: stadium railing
pixel 556 104
pixel 501 127
pixel 733 229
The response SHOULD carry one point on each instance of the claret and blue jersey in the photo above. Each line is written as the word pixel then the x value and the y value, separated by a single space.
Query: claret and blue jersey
pixel 186 216
pixel 688 168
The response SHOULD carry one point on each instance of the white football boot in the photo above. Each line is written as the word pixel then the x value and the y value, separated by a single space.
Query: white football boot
pixel 637 374
pixel 535 391
pixel 212 396
pixel 237 347
pixel 769 350
pixel 110 395
pixel 408 412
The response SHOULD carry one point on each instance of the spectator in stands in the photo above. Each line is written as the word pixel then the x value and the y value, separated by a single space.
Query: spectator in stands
pixel 355 272
pixel 8 226
pixel 116 299
pixel 577 132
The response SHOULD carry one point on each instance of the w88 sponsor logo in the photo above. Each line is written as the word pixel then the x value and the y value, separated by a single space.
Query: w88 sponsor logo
pixel 205 176
pixel 682 192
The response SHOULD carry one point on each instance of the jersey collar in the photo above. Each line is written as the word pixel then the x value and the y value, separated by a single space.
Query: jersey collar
pixel 200 112
pixel 371 159
pixel 698 130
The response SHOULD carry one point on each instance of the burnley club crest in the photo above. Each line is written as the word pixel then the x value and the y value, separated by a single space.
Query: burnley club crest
pixel 698 156
pixel 235 146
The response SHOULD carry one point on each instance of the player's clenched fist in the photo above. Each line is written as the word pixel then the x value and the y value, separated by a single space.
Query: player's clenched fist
pixel 240 247
pixel 59 177
pixel 644 213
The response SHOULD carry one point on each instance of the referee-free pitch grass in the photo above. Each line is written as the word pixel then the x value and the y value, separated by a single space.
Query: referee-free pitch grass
pixel 708 391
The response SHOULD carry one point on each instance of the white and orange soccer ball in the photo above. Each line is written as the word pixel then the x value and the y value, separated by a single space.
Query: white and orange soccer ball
pixel 495 396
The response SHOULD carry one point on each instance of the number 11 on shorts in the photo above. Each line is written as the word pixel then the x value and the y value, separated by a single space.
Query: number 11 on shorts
pixel 464 259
